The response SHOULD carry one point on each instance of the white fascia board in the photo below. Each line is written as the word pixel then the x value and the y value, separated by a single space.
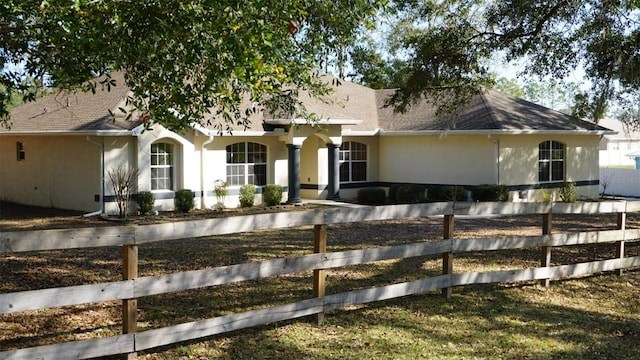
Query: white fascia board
pixel 70 133
pixel 349 132
pixel 494 132
pixel 252 133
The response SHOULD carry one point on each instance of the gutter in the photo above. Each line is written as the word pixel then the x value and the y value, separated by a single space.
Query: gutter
pixel 492 132
pixel 101 147
pixel 203 204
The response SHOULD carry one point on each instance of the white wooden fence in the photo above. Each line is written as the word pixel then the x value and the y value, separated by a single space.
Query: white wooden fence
pixel 133 287
pixel 620 182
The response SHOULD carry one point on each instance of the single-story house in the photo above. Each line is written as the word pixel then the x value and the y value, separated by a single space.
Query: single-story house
pixel 620 149
pixel 60 148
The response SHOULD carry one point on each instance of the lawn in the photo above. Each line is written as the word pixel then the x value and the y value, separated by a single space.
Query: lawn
pixel 594 317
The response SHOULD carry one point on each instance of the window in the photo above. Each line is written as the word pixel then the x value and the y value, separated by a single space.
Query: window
pixel 20 151
pixel 161 166
pixel 246 164
pixel 551 161
pixel 353 162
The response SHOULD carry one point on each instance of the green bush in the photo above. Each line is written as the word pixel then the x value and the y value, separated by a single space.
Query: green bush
pixel 411 194
pixel 489 192
pixel 145 200
pixel 568 192
pixel 393 193
pixel 247 195
pixel 184 200
pixel 371 196
pixel 447 193
pixel 272 194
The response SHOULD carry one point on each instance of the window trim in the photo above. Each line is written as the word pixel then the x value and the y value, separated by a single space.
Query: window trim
pixel 170 167
pixel 551 148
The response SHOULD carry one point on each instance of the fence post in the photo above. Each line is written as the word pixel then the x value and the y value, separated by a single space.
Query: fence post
pixel 447 258
pixel 129 306
pixel 620 225
pixel 545 253
pixel 319 246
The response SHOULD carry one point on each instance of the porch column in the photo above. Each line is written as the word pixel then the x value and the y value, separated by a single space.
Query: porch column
pixel 294 174
pixel 334 172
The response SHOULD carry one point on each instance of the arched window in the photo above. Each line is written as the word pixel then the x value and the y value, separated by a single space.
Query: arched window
pixel 353 162
pixel 246 164
pixel 161 166
pixel 551 156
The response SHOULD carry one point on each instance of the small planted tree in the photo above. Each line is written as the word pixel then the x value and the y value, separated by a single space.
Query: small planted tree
pixel 221 189
pixel 123 180
pixel 568 192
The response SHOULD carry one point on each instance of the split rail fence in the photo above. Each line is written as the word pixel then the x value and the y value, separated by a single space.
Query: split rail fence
pixel 133 287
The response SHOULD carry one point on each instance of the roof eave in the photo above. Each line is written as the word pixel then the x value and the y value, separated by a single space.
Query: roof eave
pixel 494 132
pixel 70 133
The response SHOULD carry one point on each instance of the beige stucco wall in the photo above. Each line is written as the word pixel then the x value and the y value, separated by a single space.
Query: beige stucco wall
pixel 58 171
pixel 519 162
pixel 434 159
pixel 215 159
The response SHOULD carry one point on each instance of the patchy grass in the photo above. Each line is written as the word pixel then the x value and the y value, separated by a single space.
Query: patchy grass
pixel 589 317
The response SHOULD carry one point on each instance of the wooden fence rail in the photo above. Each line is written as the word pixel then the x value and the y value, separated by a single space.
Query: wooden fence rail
pixel 133 287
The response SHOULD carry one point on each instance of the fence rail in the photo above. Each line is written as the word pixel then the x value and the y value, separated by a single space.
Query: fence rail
pixel 133 287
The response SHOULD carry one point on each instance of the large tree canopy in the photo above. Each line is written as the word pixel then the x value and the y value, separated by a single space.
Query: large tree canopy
pixel 448 44
pixel 183 59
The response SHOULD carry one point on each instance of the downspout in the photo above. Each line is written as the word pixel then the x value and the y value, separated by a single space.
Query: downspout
pixel 203 204
pixel 101 211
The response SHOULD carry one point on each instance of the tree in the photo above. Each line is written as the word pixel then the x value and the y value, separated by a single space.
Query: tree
pixel 509 87
pixel 184 61
pixel 453 40
pixel 123 180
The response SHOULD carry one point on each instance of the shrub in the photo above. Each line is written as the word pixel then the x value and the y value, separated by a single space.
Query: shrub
pixel 393 193
pixel 145 200
pixel 447 193
pixel 371 196
pixel 184 200
pixel 488 192
pixel 411 194
pixel 568 192
pixel 247 195
pixel 272 194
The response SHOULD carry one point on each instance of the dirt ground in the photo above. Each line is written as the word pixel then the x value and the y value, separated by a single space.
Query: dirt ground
pixel 17 217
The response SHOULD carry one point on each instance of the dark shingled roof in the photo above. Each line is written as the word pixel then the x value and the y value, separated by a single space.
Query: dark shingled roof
pixel 491 111
pixel 72 112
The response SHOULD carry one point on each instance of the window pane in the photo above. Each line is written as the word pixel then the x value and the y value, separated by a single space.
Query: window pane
pixel 344 172
pixel 543 171
pixel 359 171
pixel 260 175
pixel 557 171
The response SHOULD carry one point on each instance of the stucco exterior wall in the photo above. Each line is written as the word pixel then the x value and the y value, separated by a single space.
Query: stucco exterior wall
pixel 433 159
pixel 519 163
pixel 215 160
pixel 58 171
